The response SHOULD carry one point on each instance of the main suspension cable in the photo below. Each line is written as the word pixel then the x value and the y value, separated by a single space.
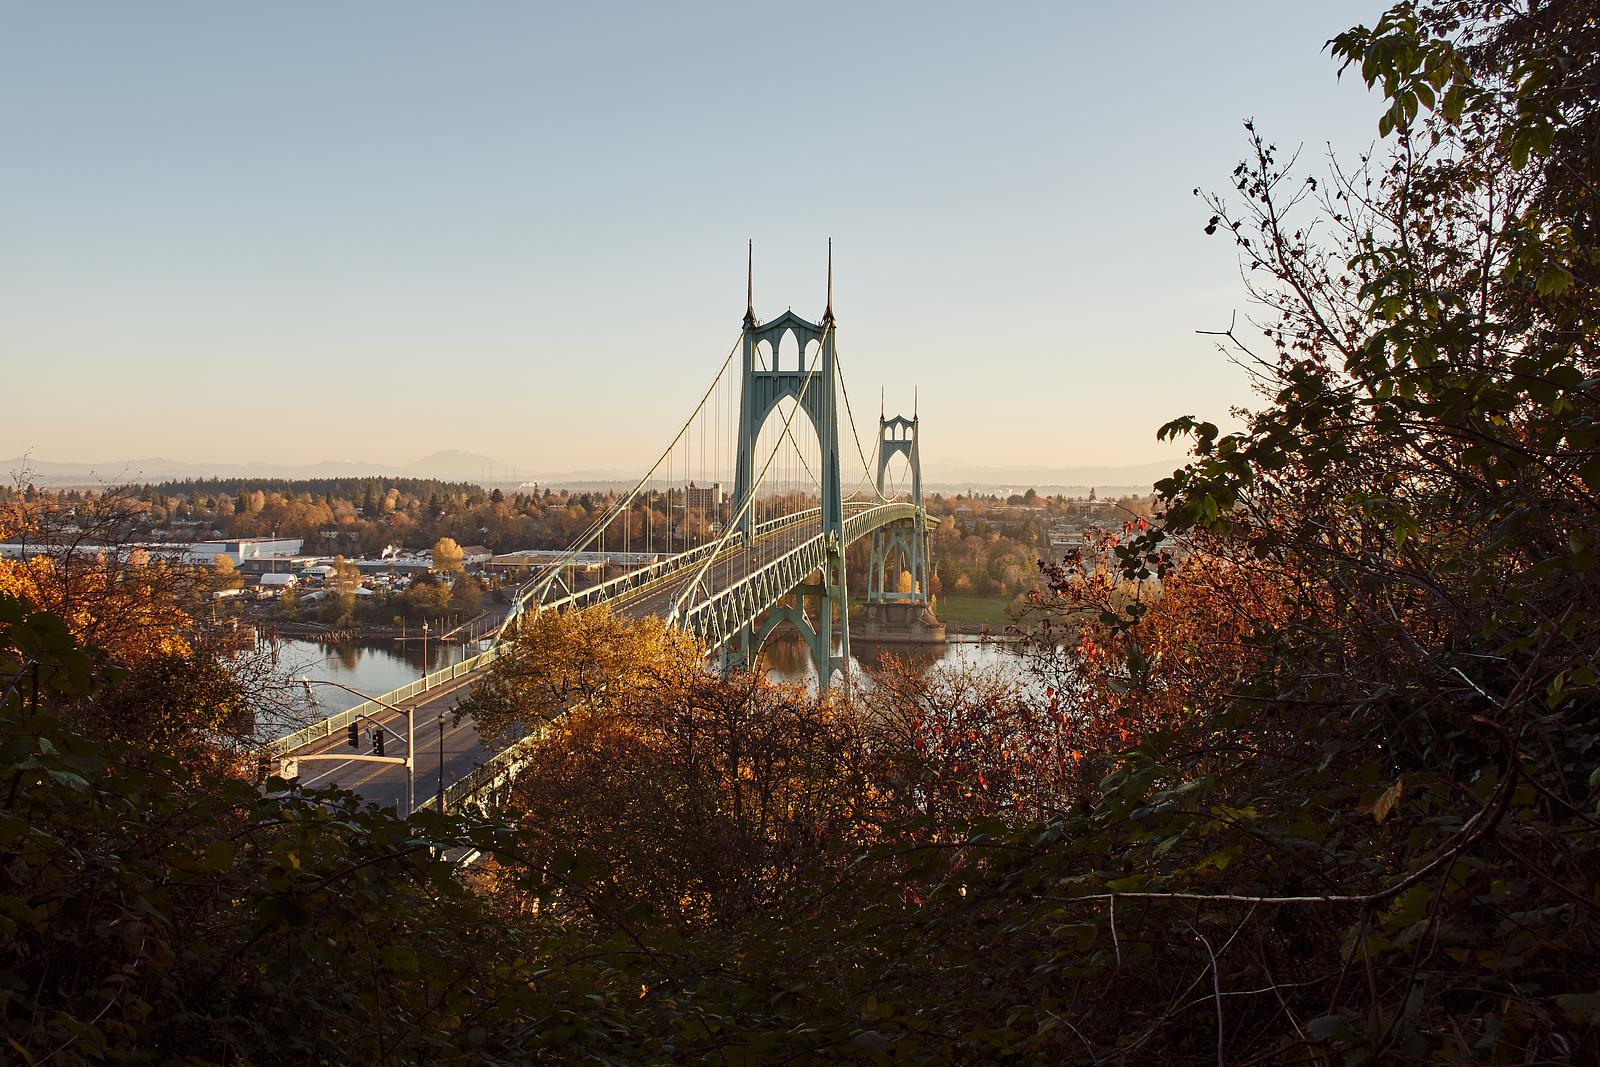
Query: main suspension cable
pixel 866 471
pixel 541 583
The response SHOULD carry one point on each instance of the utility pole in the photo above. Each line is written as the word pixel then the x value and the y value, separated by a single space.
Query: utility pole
pixel 441 763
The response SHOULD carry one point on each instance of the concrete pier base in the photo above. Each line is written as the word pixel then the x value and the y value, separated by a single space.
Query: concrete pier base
pixel 897 624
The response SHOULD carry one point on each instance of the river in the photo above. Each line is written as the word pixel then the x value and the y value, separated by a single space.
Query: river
pixel 373 669
pixel 382 668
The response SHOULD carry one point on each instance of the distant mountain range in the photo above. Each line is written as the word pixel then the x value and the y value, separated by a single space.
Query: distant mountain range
pixel 451 465
pixel 457 465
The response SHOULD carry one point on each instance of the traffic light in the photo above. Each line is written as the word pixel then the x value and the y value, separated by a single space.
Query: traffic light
pixel 354 733
pixel 377 741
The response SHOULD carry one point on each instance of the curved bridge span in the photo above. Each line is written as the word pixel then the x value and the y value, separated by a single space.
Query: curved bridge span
pixel 742 582
pixel 723 568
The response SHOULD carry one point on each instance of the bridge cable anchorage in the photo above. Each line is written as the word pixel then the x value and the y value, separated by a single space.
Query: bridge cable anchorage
pixel 540 584
pixel 676 611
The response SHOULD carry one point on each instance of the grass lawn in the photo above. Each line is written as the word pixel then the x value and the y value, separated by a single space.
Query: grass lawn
pixel 987 610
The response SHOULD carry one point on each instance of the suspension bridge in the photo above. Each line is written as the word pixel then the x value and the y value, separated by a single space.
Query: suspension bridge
pixel 777 425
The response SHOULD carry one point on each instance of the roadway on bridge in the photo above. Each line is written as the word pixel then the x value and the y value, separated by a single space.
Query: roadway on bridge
pixel 732 565
pixel 385 783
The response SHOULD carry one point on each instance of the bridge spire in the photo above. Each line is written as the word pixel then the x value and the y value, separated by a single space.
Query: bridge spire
pixel 827 312
pixel 814 388
pixel 750 285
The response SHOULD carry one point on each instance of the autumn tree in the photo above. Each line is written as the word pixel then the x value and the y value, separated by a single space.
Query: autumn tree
pixel 961 744
pixel 561 660
pixel 447 556
pixel 158 660
pixel 346 577
pixel 1388 748
pixel 707 801
pixel 224 573
pixel 467 596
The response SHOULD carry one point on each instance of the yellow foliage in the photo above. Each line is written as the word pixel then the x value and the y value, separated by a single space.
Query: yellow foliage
pixel 128 612
pixel 447 556
pixel 580 659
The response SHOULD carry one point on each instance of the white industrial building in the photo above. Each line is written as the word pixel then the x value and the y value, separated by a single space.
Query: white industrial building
pixel 240 549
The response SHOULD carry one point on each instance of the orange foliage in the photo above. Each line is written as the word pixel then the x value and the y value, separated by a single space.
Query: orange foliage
pixel 1023 745
pixel 130 610
pixel 1198 637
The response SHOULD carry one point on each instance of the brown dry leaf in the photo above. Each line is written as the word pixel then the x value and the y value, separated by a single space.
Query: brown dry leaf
pixel 1386 801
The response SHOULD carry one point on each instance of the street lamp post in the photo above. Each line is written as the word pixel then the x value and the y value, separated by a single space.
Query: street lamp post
pixel 424 648
pixel 441 763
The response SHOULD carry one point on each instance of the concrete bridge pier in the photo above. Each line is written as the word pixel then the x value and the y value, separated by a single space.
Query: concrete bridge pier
pixel 903 622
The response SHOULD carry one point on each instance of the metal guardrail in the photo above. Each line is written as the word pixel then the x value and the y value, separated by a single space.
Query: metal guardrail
pixel 641 577
pixel 499 771
pixel 339 720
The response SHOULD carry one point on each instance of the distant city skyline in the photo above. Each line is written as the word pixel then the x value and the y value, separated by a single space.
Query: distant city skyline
pixel 301 233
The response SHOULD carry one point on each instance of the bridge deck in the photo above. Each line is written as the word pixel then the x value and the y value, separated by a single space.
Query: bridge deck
pixel 385 784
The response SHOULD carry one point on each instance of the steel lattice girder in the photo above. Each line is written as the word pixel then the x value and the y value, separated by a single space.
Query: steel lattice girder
pixel 719 618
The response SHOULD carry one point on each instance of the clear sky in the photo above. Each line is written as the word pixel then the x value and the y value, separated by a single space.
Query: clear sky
pixel 301 231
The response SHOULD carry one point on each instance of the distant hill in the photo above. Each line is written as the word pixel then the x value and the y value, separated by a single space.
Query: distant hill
pixel 457 465
pixel 453 465
pixel 1138 476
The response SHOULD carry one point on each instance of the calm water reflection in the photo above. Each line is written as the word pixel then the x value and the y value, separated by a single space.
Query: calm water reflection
pixel 383 668
pixel 787 659
pixel 373 669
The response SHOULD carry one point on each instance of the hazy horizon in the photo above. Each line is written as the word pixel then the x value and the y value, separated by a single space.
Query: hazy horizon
pixel 456 465
pixel 300 233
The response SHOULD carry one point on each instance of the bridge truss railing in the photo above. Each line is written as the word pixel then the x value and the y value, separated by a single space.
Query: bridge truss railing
pixel 536 589
pixel 719 617
pixel 488 778
pixel 640 579
pixel 634 580
pixel 711 621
